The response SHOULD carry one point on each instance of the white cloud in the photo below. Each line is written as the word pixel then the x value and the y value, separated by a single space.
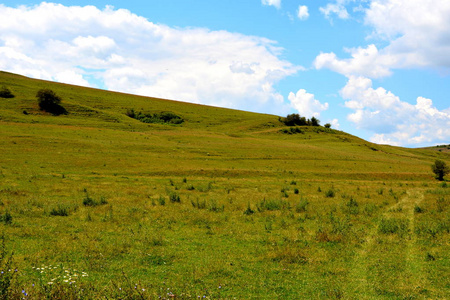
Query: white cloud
pixel 128 53
pixel 337 8
pixel 306 104
pixel 335 124
pixel 416 32
pixel 395 122
pixel 365 62
pixel 302 13
pixel 276 3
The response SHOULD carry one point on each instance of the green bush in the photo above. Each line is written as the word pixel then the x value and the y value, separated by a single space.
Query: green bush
pixel 161 118
pixel 48 101
pixel 330 193
pixel 5 93
pixel 6 218
pixel 174 197
pixel 59 211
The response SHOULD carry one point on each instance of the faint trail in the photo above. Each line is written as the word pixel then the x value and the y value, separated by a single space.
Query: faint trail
pixel 360 287
pixel 414 275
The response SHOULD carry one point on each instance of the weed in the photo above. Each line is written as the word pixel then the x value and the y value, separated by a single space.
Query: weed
pixel 60 210
pixel 330 193
pixel 162 200
pixel 272 205
pixel 88 201
pixel 7 272
pixel 199 204
pixel 301 206
pixel 174 197
pixel 249 210
pixel 393 226
pixel 213 206
pixel 6 218
pixel 418 209
pixel 296 191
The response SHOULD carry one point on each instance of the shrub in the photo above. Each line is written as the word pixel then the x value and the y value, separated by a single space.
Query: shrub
pixel 48 101
pixel 174 197
pixel 249 210
pixel 59 211
pixel 5 93
pixel 88 201
pixel 330 193
pixel 161 118
pixel 6 218
pixel 328 125
pixel 418 209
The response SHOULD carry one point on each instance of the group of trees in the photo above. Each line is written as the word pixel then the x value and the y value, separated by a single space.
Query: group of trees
pixel 297 120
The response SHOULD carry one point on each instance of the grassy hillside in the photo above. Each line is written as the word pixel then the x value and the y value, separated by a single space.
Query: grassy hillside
pixel 226 204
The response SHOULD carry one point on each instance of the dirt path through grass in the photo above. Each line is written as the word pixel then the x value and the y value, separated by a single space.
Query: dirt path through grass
pixel 360 287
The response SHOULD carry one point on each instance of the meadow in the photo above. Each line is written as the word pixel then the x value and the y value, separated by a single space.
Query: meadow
pixel 225 205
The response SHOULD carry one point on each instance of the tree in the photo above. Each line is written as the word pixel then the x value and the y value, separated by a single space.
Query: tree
pixel 328 125
pixel 440 168
pixel 315 121
pixel 5 93
pixel 50 102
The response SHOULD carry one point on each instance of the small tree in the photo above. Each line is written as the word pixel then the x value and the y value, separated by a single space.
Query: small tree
pixel 315 121
pixel 5 93
pixel 440 168
pixel 328 125
pixel 48 101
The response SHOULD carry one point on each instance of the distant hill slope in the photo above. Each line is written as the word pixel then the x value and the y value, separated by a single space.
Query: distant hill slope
pixel 97 132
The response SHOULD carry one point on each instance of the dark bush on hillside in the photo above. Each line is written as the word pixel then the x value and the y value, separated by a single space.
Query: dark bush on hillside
pixel 328 125
pixel 296 119
pixel 161 118
pixel 5 93
pixel 440 168
pixel 50 102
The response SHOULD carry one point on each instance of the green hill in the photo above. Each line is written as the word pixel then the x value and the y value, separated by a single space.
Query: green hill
pixel 226 204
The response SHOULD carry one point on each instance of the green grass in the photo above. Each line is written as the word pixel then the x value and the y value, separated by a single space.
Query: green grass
pixel 224 205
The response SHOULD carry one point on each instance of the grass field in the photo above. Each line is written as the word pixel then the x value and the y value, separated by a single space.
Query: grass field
pixel 226 205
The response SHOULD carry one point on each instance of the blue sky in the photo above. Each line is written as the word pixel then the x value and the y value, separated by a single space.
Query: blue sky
pixel 378 69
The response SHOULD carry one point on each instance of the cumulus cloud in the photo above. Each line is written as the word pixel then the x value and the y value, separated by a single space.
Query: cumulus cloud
pixel 365 62
pixel 125 52
pixel 416 32
pixel 302 12
pixel 276 3
pixel 306 103
pixel 395 122
pixel 337 8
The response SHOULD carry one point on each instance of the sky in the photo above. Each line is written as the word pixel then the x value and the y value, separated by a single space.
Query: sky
pixel 378 69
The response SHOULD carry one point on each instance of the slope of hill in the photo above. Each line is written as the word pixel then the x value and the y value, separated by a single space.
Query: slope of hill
pixel 225 199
